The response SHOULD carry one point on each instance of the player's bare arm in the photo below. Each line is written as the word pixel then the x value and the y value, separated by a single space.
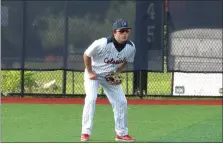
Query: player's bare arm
pixel 87 62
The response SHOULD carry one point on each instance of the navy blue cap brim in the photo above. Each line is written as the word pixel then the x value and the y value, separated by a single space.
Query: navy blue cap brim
pixel 123 28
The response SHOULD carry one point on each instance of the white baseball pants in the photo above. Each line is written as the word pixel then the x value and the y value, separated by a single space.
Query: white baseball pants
pixel 115 96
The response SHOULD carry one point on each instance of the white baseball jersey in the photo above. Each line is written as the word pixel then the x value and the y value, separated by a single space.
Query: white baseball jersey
pixel 106 58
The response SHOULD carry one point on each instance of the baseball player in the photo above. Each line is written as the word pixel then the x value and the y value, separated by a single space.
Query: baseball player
pixel 104 57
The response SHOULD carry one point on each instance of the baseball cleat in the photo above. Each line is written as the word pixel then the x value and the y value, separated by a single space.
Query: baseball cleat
pixel 85 137
pixel 125 138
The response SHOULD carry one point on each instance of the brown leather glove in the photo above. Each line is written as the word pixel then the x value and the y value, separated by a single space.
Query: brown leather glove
pixel 114 78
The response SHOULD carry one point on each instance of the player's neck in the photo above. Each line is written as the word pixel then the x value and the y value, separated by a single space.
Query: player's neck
pixel 117 45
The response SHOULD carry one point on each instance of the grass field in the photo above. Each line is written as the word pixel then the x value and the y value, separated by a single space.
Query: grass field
pixel 147 123
pixel 158 83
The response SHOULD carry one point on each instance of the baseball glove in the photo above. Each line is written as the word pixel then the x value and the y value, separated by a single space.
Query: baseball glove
pixel 114 78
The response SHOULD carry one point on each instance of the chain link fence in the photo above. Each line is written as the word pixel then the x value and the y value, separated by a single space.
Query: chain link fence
pixel 195 37
pixel 43 43
pixel 194 53
pixel 51 82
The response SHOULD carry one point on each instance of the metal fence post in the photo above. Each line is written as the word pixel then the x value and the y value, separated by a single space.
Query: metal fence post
pixel 65 47
pixel 23 47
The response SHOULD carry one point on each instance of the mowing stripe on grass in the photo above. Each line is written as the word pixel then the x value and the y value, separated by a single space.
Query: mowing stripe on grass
pixel 147 123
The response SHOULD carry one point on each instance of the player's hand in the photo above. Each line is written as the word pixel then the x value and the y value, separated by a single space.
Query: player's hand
pixel 92 76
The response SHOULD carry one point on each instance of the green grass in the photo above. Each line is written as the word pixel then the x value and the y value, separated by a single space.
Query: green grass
pixel 158 83
pixel 62 123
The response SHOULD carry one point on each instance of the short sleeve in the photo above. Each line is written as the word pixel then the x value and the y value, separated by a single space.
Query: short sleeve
pixel 95 47
pixel 131 56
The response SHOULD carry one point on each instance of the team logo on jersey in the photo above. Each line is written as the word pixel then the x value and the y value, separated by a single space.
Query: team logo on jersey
pixel 113 61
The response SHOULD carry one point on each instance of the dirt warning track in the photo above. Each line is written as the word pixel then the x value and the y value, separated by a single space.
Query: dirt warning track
pixel 13 100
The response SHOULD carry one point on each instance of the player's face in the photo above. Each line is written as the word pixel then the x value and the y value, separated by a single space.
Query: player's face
pixel 122 35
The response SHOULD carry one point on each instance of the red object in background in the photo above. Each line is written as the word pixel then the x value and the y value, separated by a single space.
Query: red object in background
pixel 50 59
